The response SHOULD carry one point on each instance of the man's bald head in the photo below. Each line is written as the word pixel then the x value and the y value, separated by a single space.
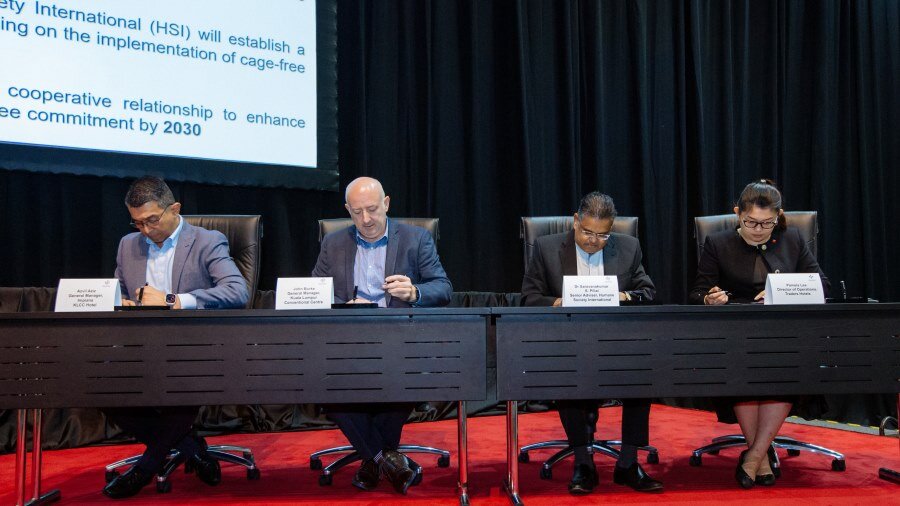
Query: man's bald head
pixel 367 204
pixel 363 184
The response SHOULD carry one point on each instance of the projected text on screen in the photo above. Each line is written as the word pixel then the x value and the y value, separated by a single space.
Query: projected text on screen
pixel 211 79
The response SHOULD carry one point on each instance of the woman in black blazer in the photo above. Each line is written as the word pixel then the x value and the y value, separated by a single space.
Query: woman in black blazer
pixel 733 268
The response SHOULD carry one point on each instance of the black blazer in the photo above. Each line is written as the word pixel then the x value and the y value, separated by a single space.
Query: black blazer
pixel 727 261
pixel 554 256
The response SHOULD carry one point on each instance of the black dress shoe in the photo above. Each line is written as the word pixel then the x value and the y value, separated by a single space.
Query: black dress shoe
pixel 396 469
pixel 127 484
pixel 584 479
pixel 636 478
pixel 766 480
pixel 366 477
pixel 207 468
pixel 743 479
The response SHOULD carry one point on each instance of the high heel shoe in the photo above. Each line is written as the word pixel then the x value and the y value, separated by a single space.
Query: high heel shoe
pixel 766 477
pixel 743 479
pixel 766 480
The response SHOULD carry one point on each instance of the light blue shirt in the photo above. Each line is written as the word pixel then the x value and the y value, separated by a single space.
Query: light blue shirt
pixel 368 268
pixel 159 266
pixel 589 265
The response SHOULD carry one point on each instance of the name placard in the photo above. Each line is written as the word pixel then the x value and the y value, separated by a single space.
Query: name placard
pixel 75 295
pixel 304 293
pixel 795 288
pixel 590 291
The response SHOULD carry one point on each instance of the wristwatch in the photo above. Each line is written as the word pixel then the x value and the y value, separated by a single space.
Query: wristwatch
pixel 171 299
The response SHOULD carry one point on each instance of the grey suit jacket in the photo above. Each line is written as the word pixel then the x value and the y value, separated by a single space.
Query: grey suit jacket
pixel 554 256
pixel 410 251
pixel 202 267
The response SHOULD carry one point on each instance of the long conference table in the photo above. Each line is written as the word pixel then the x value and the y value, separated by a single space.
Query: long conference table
pixel 56 360
pixel 162 358
pixel 691 351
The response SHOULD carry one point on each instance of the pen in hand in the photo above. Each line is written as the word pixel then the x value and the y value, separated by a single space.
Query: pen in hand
pixel 141 294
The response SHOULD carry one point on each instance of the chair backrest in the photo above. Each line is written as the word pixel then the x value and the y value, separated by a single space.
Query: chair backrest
pixel 806 222
pixel 533 227
pixel 244 234
pixel 330 225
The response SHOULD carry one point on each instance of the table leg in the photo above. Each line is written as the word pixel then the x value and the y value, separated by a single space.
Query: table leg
pixel 462 432
pixel 889 474
pixel 511 486
pixel 36 463
pixel 21 433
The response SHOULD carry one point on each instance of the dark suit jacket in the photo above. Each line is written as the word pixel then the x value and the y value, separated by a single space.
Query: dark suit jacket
pixel 202 267
pixel 410 251
pixel 727 261
pixel 554 256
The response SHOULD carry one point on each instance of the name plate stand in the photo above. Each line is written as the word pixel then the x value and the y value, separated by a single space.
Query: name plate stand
pixel 796 288
pixel 304 293
pixel 590 291
pixel 83 295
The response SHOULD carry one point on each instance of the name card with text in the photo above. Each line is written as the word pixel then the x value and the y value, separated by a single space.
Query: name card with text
pixel 75 295
pixel 796 288
pixel 304 293
pixel 590 291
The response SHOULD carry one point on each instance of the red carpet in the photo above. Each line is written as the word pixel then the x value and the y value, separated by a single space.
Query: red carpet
pixel 287 479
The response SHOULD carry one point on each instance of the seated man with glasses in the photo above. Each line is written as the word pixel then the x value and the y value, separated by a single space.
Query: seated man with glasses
pixel 169 262
pixel 591 249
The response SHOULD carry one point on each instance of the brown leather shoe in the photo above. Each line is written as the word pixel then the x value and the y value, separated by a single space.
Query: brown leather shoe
pixel 395 468
pixel 366 477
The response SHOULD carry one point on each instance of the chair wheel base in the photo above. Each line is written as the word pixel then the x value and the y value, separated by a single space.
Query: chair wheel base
pixel 696 461
pixel 443 461
pixel 653 458
pixel 838 465
pixel 417 479
pixel 315 464
pixel 253 474
pixel 324 480
pixel 163 487
pixel 523 457
pixel 546 473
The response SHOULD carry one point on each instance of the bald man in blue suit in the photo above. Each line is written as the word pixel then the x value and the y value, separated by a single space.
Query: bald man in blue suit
pixel 393 265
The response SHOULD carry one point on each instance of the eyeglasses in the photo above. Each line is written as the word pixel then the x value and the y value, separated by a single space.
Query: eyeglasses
pixel 765 225
pixel 151 222
pixel 593 235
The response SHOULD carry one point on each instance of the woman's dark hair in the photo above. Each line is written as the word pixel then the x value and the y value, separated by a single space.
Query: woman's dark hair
pixel 762 193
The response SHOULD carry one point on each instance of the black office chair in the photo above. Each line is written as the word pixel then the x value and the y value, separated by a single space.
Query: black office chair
pixel 244 234
pixel 806 222
pixel 349 455
pixel 529 230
